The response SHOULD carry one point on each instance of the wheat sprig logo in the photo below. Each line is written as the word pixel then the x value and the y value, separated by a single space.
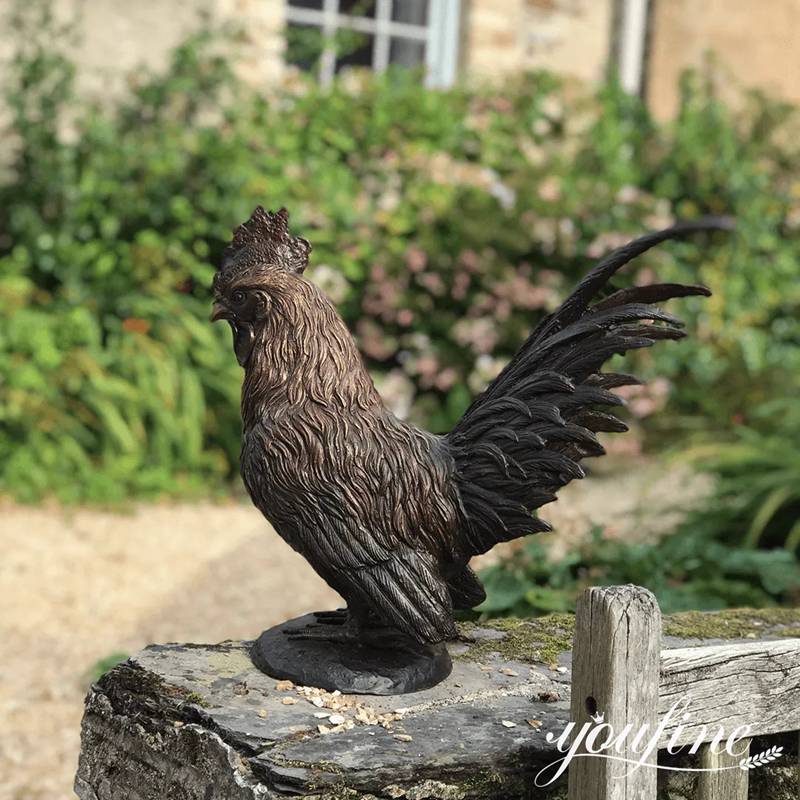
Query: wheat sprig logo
pixel 759 759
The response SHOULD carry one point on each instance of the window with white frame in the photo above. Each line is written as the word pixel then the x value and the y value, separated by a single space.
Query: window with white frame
pixel 329 35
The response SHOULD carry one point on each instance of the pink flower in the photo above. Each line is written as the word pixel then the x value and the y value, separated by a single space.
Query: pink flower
pixel 446 379
pixel 416 259
pixel 550 189
pixel 405 317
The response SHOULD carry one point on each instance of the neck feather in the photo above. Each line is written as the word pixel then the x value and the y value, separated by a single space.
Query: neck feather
pixel 304 355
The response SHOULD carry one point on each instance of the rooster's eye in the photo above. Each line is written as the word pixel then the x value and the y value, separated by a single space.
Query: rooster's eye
pixel 238 297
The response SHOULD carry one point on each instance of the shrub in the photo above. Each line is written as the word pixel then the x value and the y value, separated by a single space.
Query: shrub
pixel 445 223
pixel 687 570
pixel 757 471
pixel 740 547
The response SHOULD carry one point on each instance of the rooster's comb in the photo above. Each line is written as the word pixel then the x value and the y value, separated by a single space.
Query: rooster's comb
pixel 265 239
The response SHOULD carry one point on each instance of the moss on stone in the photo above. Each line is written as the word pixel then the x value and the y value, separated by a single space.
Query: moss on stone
pixel 538 640
pixel 735 623
pixel 490 785
pixel 229 663
pixel 485 782
pixel 542 639
pixel 425 790
pixel 195 698
pixel 338 793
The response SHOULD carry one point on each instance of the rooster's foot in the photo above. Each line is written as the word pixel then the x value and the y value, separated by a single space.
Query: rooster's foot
pixel 342 630
pixel 337 617
pixel 328 626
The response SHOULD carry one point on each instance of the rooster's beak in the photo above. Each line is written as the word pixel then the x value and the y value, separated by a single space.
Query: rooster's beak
pixel 219 312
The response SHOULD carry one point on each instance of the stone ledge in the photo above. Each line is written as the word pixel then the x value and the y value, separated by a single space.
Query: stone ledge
pixel 199 721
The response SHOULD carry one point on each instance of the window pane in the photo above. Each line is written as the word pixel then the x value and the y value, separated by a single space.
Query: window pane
pixel 357 8
pixel 408 52
pixel 353 49
pixel 414 12
pixel 303 45
pixel 306 4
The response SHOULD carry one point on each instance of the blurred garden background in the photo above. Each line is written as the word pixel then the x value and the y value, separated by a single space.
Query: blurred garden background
pixel 449 208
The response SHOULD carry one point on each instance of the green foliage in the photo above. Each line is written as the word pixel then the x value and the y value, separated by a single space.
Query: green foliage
pixel 688 570
pixel 757 497
pixel 445 224
pixel 739 547
pixel 106 664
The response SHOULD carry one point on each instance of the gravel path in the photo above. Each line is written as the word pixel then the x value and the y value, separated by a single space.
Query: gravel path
pixel 80 585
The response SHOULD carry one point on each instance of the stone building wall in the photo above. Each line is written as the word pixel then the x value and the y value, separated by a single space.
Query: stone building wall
pixel 572 37
pixel 117 37
pixel 755 44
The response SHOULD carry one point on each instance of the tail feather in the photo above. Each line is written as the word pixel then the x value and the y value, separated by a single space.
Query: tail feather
pixel 523 437
pixel 654 293
pixel 577 303
pixel 612 380
pixel 465 589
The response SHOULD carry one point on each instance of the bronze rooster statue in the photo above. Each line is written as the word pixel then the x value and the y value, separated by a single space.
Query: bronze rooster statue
pixel 388 514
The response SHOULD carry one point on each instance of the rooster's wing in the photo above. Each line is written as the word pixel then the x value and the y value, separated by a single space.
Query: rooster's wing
pixel 378 539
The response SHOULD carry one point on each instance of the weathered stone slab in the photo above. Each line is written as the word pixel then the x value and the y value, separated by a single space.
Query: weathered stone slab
pixel 172 706
pixel 194 722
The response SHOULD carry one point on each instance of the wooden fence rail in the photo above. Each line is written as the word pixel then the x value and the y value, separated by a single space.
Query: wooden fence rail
pixel 620 670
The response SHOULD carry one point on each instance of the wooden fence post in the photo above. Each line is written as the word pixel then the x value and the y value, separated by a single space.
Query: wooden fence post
pixel 615 672
pixel 727 781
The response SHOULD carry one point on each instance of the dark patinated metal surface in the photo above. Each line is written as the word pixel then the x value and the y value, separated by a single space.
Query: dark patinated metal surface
pixel 385 665
pixel 388 514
